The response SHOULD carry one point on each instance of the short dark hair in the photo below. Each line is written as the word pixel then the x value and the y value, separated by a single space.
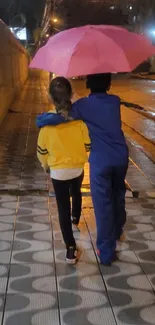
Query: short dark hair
pixel 61 92
pixel 99 83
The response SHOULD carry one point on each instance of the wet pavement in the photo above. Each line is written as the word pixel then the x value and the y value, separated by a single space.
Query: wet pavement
pixel 141 92
pixel 139 123
pixel 135 92
pixel 19 168
pixel 37 287
pixel 139 131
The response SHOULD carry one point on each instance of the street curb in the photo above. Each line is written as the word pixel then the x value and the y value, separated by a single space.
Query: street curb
pixel 146 77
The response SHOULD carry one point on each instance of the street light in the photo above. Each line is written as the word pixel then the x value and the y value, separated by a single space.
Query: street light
pixel 55 20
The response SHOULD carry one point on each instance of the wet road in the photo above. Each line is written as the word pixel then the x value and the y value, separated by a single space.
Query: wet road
pixel 139 129
pixel 137 91
pixel 134 91
pixel 20 170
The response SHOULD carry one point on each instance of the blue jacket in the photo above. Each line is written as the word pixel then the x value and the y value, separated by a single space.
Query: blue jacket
pixel 101 113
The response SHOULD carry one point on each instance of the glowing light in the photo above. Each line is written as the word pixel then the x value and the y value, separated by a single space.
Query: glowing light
pixel 55 20
pixel 19 33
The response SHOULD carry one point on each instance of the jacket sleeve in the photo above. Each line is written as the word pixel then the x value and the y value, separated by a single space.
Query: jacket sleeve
pixel 55 119
pixel 49 119
pixel 86 137
pixel 42 152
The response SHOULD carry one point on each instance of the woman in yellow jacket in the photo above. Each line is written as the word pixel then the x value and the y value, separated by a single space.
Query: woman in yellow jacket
pixel 63 149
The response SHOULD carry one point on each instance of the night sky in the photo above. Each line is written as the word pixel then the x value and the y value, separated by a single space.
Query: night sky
pixel 72 12
pixel 32 9
pixel 75 12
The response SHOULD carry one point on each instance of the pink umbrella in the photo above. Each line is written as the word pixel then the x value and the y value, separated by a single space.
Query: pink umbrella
pixel 93 49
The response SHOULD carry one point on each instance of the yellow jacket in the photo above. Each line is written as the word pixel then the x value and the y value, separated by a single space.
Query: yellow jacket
pixel 64 145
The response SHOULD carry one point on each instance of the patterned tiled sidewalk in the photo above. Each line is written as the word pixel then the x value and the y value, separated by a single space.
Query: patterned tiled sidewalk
pixel 36 285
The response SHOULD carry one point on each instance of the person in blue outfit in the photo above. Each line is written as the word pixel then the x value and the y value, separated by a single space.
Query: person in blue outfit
pixel 108 160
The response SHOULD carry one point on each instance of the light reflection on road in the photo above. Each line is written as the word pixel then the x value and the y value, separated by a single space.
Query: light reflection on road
pixel 137 126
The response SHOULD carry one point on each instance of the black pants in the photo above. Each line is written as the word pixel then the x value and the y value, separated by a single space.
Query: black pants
pixel 63 190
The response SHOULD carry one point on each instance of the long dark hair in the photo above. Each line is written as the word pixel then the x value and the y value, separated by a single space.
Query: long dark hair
pixel 61 92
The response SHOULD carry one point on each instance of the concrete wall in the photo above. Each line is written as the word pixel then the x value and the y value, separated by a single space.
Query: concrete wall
pixel 13 69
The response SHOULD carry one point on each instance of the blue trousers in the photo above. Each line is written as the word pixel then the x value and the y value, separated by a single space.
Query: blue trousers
pixel 108 194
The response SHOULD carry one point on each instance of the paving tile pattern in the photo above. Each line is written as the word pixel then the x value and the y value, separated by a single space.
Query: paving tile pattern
pixel 19 168
pixel 37 287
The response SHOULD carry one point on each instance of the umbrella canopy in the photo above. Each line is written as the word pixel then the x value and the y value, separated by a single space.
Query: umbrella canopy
pixel 93 49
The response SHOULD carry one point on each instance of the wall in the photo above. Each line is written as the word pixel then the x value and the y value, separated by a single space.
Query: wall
pixel 13 69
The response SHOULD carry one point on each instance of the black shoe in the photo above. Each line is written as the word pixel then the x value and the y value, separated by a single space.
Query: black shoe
pixel 74 221
pixel 71 255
